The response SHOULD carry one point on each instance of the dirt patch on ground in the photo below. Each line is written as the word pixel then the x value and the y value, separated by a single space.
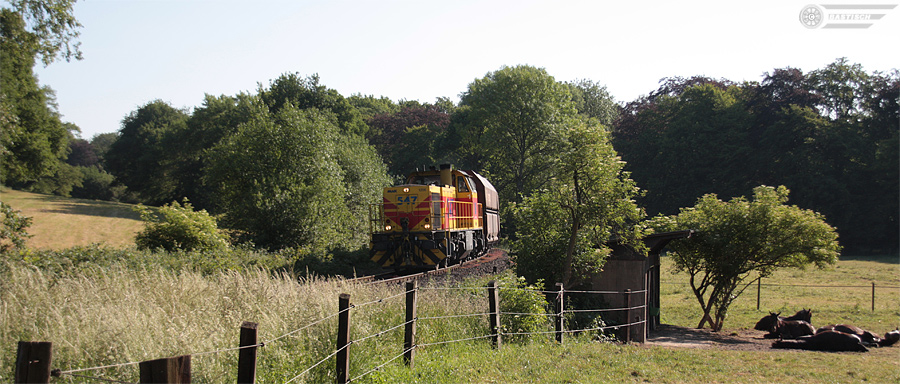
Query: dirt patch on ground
pixel 684 337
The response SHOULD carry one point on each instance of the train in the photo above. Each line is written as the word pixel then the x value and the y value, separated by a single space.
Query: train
pixel 439 217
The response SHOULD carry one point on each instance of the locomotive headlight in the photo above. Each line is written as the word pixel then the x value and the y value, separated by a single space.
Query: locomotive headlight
pixel 405 190
pixel 427 226
pixel 387 227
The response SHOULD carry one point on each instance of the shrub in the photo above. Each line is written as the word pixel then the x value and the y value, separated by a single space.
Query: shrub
pixel 525 305
pixel 97 184
pixel 178 227
pixel 12 228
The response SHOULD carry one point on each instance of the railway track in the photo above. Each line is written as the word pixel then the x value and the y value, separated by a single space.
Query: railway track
pixel 398 277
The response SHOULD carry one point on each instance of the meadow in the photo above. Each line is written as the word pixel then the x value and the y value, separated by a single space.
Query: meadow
pixel 60 222
pixel 113 305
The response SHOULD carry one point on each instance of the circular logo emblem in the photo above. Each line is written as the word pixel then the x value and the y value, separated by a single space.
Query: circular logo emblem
pixel 811 16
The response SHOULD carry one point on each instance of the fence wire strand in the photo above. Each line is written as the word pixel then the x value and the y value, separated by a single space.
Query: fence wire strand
pixel 377 334
pixel 326 358
pixel 73 372
pixel 455 316
pixel 383 364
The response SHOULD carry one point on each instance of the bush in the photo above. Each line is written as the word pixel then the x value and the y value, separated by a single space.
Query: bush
pixel 12 229
pixel 97 184
pixel 526 305
pixel 178 227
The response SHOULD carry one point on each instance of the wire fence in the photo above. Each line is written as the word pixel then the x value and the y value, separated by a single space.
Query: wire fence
pixel 35 356
pixel 32 355
pixel 759 285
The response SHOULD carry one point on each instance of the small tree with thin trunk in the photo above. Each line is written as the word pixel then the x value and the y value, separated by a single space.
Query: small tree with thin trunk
pixel 741 241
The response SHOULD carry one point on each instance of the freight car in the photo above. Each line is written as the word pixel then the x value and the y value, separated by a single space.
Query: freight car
pixel 439 217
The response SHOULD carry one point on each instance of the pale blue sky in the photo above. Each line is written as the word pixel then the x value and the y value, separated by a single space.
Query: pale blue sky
pixel 177 51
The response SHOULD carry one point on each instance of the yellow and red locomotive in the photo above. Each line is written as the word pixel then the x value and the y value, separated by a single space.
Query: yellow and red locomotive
pixel 439 217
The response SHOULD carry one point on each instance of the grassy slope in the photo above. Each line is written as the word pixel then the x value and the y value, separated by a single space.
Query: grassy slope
pixel 92 319
pixel 59 222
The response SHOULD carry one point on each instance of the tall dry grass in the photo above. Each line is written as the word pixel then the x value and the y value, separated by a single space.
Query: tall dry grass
pixel 117 315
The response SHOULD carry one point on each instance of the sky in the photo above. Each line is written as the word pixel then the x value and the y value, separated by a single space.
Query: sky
pixel 137 51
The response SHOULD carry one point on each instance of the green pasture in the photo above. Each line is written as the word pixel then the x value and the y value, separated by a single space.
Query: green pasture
pixel 841 293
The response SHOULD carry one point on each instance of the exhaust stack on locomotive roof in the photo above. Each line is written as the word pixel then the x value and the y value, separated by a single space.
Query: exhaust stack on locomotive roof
pixel 446 174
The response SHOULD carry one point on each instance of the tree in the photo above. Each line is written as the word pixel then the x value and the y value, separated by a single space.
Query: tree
pixel 594 101
pixel 82 153
pixel 140 158
pixel 52 27
pixel 518 116
pixel 279 179
pixel 407 138
pixel 308 93
pixel 187 144
pixel 101 143
pixel 33 139
pixel 684 145
pixel 741 241
pixel 564 230
pixel 369 106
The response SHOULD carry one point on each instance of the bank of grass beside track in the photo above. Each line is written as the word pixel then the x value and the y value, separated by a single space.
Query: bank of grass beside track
pixel 117 313
pixel 112 304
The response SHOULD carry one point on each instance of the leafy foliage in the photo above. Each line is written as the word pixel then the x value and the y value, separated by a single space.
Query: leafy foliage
pixel 526 306
pixel 53 28
pixel 407 139
pixel 13 229
pixel 178 227
pixel 33 140
pixel 290 89
pixel 515 125
pixel 97 184
pixel 140 157
pixel 740 241
pixel 280 179
pixel 592 100
pixel 828 135
pixel 565 229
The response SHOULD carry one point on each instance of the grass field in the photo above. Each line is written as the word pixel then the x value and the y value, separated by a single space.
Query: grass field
pixel 59 222
pixel 118 313
pixel 838 294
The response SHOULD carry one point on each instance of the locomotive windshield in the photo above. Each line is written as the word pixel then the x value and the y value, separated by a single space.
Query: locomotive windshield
pixel 426 180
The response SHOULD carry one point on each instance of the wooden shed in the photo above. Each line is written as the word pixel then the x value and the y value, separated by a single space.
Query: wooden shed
pixel 627 268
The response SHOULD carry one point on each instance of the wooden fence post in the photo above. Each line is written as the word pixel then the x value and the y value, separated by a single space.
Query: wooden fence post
pixel 873 296
pixel 246 373
pixel 627 315
pixel 559 312
pixel 170 370
pixel 33 359
pixel 758 289
pixel 343 340
pixel 409 339
pixel 494 309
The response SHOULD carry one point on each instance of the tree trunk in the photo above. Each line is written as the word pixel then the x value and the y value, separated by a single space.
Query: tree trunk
pixel 570 251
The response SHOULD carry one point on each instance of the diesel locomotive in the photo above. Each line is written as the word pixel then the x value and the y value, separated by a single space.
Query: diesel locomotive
pixel 438 217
